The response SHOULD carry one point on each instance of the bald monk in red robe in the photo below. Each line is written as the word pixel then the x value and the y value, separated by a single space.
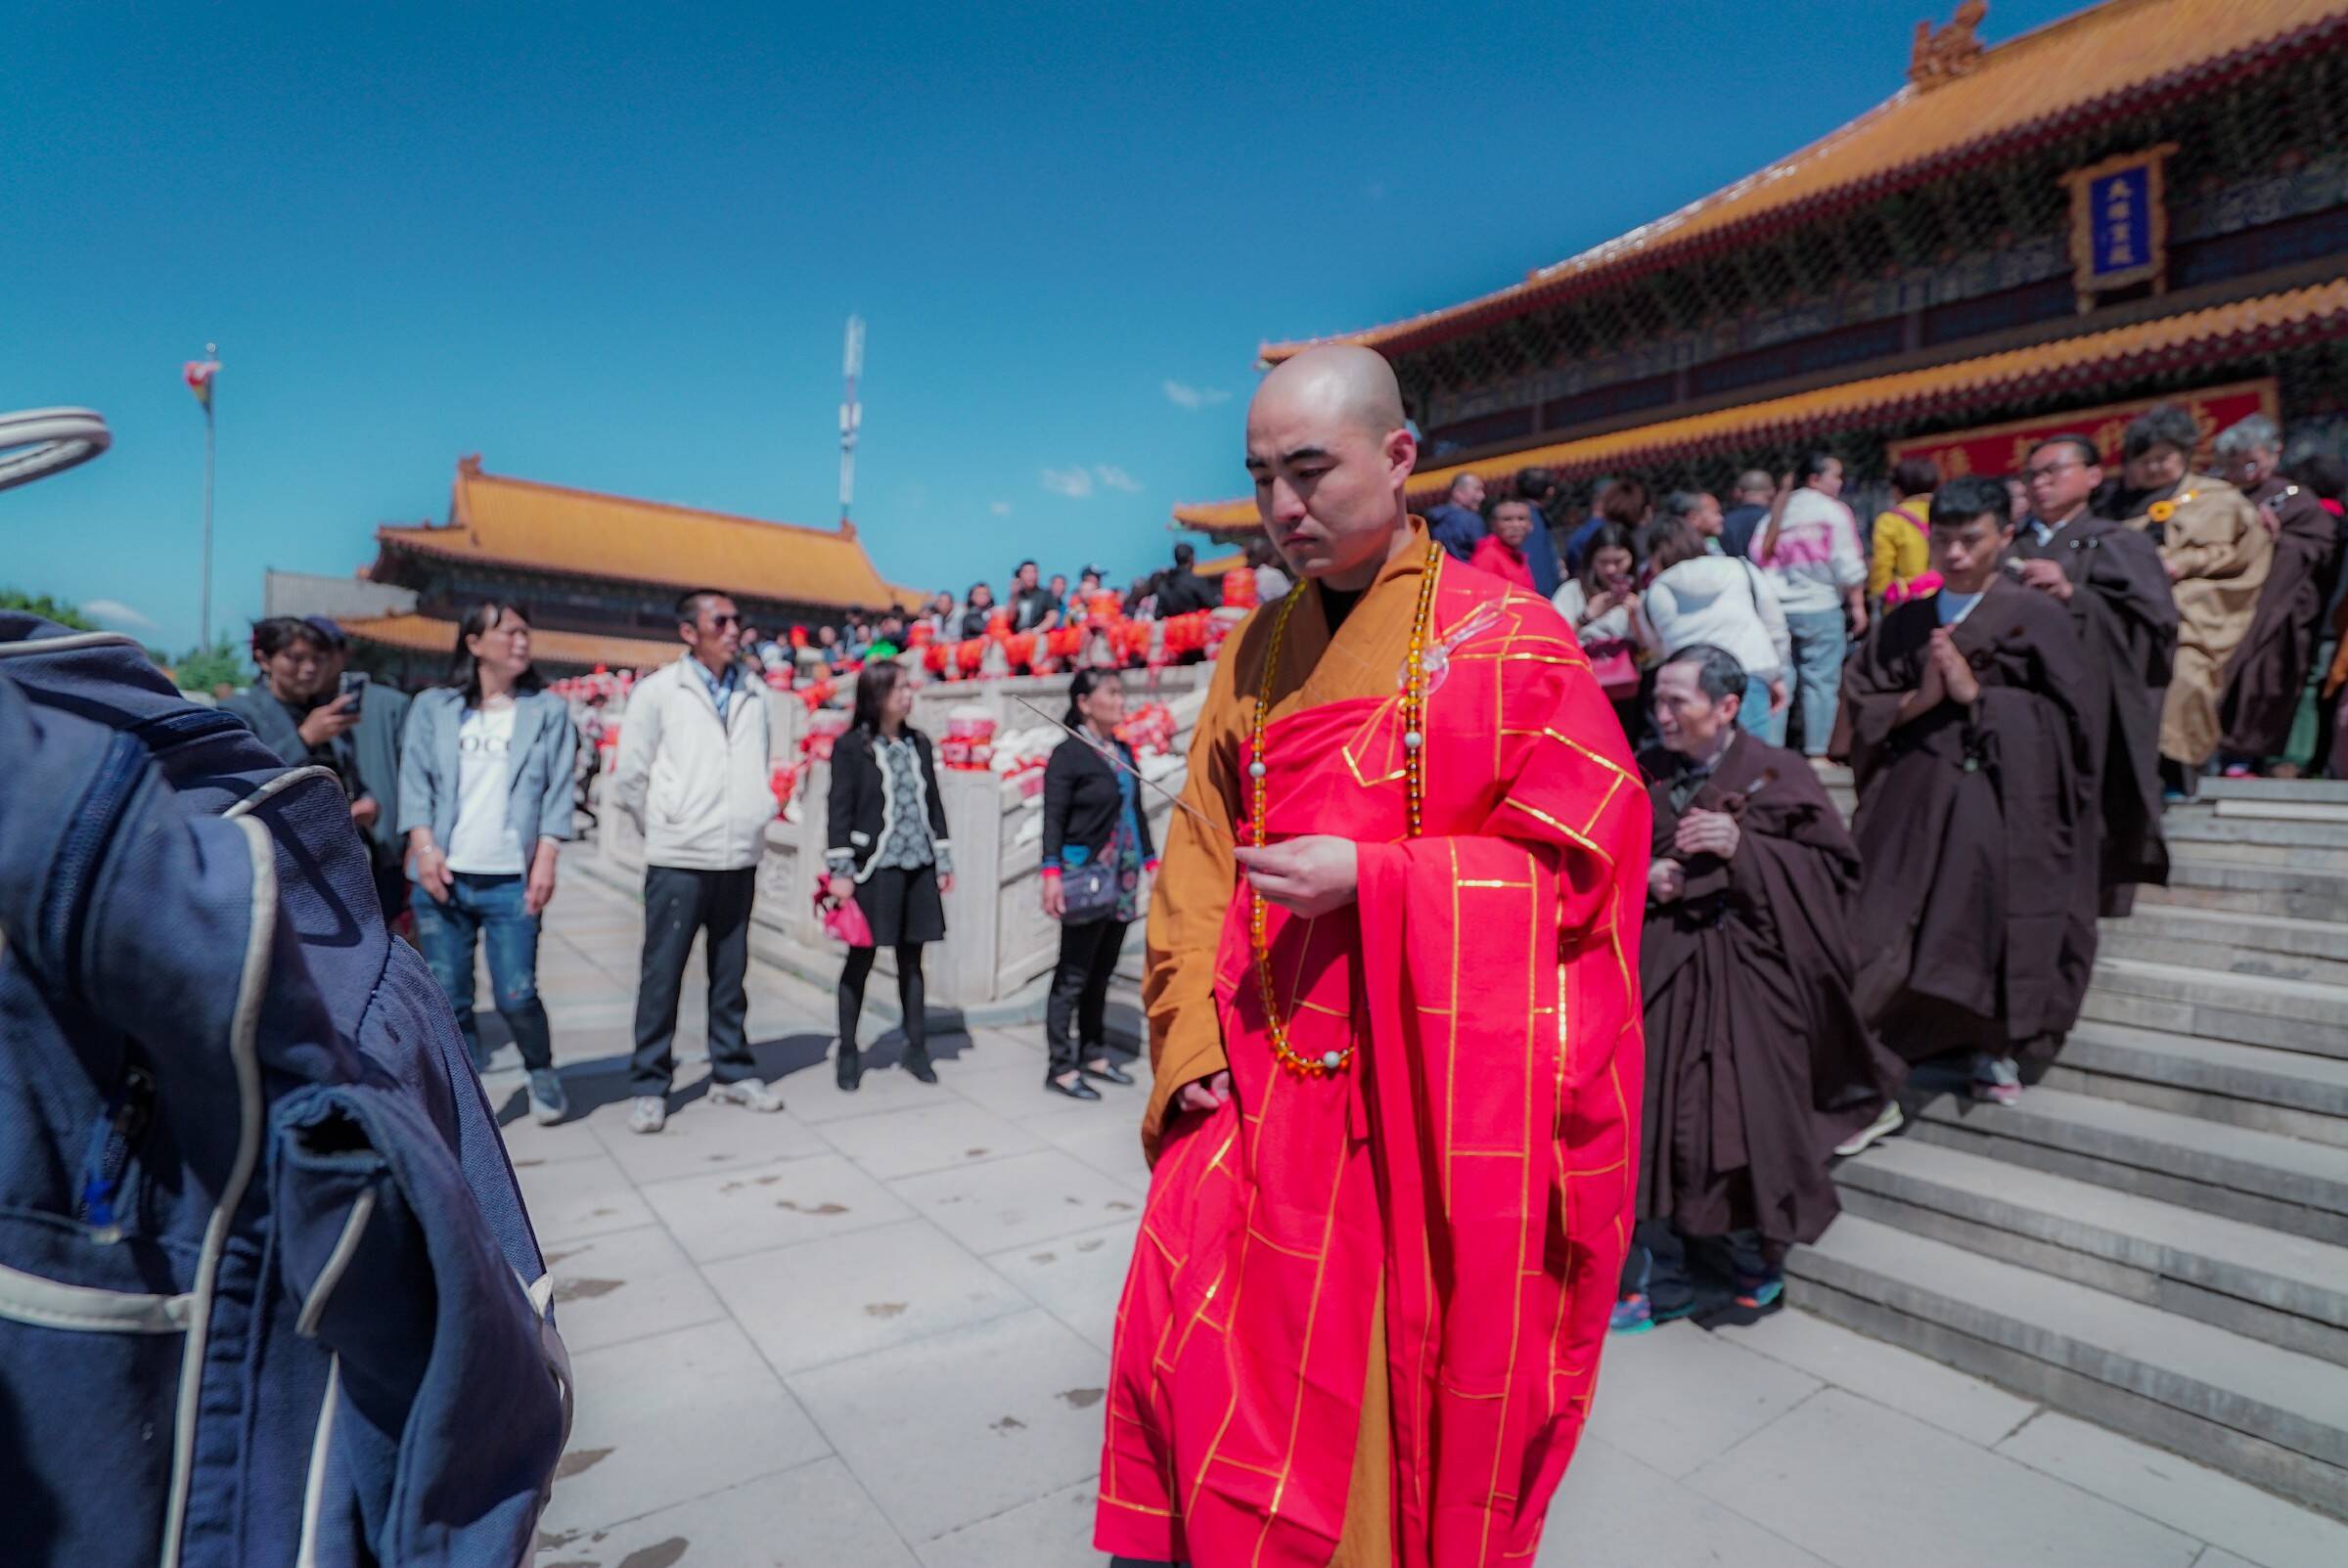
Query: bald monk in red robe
pixel 1394 1023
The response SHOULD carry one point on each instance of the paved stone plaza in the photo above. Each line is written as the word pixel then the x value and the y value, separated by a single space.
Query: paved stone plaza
pixel 872 1333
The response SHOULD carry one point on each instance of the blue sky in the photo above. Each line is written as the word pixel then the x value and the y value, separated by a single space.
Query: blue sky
pixel 615 246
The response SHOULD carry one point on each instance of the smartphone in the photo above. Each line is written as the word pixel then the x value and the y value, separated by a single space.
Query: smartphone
pixel 351 690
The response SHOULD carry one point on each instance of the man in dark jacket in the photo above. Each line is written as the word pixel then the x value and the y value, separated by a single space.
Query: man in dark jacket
pixel 1458 521
pixel 1748 509
pixel 370 767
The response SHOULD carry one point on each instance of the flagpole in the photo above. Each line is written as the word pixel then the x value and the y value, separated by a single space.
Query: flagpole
pixel 203 627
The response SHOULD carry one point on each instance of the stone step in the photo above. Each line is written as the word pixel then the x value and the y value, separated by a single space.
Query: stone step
pixel 2319 792
pixel 2258 841
pixel 2269 1415
pixel 2281 810
pixel 2286 1183
pixel 2200 882
pixel 2284 1289
pixel 2242 944
pixel 2307 1015
pixel 2257 1087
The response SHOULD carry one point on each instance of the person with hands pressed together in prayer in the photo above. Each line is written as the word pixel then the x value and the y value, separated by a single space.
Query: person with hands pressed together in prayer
pixel 1395 927
pixel 1971 754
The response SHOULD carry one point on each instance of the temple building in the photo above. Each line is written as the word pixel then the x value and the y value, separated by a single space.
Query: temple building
pixel 599 576
pixel 2144 200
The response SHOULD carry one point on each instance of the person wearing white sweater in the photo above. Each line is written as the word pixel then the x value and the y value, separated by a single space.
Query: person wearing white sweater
pixel 1698 597
pixel 693 779
pixel 1810 547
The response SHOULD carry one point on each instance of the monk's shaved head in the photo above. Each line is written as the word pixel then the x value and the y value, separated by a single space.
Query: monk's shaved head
pixel 1341 382
pixel 1331 452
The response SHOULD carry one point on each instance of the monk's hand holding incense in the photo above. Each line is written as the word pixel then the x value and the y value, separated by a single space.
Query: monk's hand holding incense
pixel 1309 875
pixel 1707 832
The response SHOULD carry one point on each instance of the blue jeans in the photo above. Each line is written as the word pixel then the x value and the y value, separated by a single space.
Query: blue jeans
pixel 1753 716
pixel 1818 642
pixel 486 908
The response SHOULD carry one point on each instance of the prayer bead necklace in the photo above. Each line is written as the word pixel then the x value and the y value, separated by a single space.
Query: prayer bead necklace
pixel 1414 772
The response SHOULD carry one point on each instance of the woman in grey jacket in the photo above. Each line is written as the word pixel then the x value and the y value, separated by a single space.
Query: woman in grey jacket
pixel 484 800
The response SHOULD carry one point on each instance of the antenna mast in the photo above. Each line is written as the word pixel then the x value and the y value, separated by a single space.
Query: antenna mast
pixel 852 417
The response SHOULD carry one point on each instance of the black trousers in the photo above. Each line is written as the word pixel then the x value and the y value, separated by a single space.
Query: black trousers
pixel 1088 958
pixel 678 904
pixel 913 1006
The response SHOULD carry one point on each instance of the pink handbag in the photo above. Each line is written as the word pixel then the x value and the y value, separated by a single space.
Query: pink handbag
pixel 843 921
pixel 1612 662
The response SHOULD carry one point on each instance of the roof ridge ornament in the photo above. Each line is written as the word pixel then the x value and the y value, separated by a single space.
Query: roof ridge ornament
pixel 1942 55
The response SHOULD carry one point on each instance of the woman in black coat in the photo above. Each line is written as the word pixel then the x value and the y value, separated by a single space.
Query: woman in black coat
pixel 889 851
pixel 1097 846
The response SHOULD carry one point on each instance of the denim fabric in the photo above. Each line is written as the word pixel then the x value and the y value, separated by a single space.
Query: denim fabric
pixel 1818 642
pixel 486 909
pixel 232 1111
pixel 1753 716
pixel 544 758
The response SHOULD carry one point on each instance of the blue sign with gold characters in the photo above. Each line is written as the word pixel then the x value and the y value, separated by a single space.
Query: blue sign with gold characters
pixel 2120 223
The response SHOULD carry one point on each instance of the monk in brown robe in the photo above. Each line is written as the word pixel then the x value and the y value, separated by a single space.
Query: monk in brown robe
pixel 1976 801
pixel 1746 968
pixel 2269 675
pixel 2111 580
pixel 2217 550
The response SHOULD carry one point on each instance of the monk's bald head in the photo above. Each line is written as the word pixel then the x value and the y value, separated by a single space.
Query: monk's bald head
pixel 1331 452
pixel 1340 382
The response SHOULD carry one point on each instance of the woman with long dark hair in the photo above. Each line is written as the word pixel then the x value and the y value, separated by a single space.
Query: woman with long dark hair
pixel 1097 846
pixel 1600 603
pixel 889 852
pixel 485 802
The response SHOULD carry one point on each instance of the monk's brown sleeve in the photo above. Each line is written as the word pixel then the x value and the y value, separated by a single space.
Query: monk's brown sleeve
pixel 1195 883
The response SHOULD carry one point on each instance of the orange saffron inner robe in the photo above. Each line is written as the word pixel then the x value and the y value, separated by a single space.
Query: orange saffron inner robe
pixel 1437 1230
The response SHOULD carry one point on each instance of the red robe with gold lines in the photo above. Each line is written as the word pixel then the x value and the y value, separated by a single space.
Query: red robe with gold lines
pixel 1468 1180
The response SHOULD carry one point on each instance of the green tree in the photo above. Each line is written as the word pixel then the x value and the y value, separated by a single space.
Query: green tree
pixel 47 608
pixel 200 670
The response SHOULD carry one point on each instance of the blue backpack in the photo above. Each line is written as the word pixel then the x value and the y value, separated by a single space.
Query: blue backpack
pixel 267 1291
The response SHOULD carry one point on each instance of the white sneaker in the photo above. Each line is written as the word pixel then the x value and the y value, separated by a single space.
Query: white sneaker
pixel 1886 1123
pixel 750 1093
pixel 648 1114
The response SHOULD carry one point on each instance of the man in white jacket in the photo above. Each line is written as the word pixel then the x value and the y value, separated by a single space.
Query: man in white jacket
pixel 693 777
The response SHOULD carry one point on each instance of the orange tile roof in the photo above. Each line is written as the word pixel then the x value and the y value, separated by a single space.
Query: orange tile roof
pixel 552 527
pixel 2081 70
pixel 425 634
pixel 2263 324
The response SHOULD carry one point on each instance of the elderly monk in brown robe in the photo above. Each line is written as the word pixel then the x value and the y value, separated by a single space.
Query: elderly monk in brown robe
pixel 2269 675
pixel 1746 968
pixel 2111 580
pixel 1395 1038
pixel 1975 802
pixel 2217 550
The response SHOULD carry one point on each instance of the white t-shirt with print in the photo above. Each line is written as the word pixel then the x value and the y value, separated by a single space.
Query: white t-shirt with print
pixel 483 842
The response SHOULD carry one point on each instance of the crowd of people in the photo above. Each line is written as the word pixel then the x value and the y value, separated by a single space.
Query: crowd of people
pixel 1030 606
pixel 1781 571
pixel 2028 685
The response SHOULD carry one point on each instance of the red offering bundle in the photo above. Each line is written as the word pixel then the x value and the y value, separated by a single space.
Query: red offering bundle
pixel 1238 589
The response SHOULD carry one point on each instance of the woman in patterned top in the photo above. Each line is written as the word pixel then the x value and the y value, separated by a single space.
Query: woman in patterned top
pixel 888 852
